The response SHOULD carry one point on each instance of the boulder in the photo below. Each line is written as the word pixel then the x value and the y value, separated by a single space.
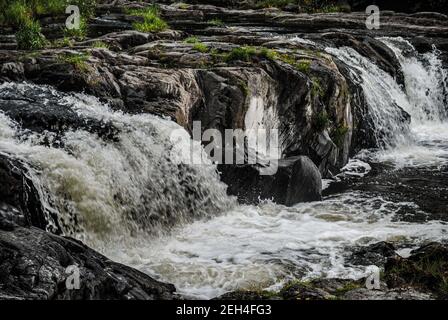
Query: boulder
pixel 35 265
pixel 296 180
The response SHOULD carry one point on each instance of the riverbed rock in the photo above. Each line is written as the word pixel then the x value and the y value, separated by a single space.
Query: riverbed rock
pixel 297 180
pixel 18 191
pixel 374 254
pixel 35 265
pixel 41 109
pixel 329 289
pixel 159 73
pixel 425 270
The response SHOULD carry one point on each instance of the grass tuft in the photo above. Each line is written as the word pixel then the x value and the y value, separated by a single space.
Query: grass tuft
pixel 30 37
pixel 152 22
pixel 78 61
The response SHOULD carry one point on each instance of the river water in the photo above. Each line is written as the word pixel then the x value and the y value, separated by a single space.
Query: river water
pixel 217 246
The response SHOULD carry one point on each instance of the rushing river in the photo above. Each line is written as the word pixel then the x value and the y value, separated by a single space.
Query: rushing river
pixel 216 246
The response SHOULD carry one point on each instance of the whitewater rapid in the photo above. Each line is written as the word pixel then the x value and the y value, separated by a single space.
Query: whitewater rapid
pixel 261 247
pixel 125 190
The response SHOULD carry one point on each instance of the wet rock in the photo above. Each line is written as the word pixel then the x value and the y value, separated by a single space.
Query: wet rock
pixel 17 190
pixel 402 6
pixel 33 265
pixel 375 254
pixel 297 180
pixel 249 295
pixel 425 270
pixel 303 291
pixel 395 294
pixel 12 71
pixel 401 185
pixel 40 109
pixel 329 289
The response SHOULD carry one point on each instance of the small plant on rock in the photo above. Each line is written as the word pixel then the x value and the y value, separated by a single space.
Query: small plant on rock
pixel 78 61
pixel 152 22
pixel 216 22
pixel 321 121
pixel 30 37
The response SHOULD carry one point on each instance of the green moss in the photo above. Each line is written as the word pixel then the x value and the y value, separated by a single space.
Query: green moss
pixel 199 46
pixel 338 135
pixel 191 40
pixel 30 37
pixel 78 61
pixel 62 43
pixel 184 6
pixel 316 88
pixel 346 288
pixel 295 283
pixel 79 33
pixel 152 22
pixel 245 53
pixel 244 88
pixel 216 22
pixel 303 66
pixel 308 6
pixel 321 121
pixel 100 44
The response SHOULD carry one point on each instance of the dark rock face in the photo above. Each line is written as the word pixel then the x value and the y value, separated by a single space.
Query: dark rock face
pixel 375 254
pixel 40 109
pixel 402 6
pixel 297 180
pixel 17 190
pixel 430 183
pixel 425 270
pixel 329 289
pixel 33 261
pixel 33 266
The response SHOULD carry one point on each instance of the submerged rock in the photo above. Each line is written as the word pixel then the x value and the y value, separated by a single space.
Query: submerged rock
pixel 297 180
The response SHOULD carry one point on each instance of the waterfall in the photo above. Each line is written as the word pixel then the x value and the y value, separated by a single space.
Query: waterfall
pixel 103 188
pixel 423 97
pixel 385 98
pixel 426 81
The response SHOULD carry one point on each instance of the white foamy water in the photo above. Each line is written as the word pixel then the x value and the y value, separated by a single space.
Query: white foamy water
pixel 138 182
pixel 255 247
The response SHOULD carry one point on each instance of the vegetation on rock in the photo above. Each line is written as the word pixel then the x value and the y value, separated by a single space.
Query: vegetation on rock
pixel 152 22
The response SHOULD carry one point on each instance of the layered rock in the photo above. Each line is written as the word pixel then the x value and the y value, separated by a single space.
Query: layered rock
pixel 35 265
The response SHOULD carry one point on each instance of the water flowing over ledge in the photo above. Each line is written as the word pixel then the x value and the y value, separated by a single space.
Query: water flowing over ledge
pixel 106 172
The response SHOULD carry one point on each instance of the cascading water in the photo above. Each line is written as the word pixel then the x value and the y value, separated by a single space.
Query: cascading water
pixel 255 247
pixel 103 189
pixel 384 96
pixel 424 98
pixel 136 180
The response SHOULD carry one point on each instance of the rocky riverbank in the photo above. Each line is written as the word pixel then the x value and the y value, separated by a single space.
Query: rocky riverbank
pixel 216 62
